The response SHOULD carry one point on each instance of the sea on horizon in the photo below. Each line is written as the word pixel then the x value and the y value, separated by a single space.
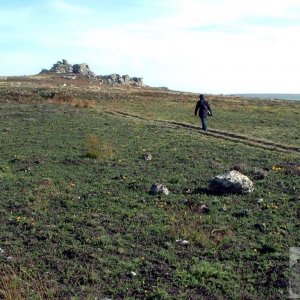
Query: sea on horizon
pixel 292 97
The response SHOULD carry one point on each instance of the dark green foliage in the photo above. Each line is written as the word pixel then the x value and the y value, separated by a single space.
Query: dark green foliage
pixel 89 227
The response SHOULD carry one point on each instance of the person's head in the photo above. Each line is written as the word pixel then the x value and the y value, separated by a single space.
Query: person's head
pixel 201 97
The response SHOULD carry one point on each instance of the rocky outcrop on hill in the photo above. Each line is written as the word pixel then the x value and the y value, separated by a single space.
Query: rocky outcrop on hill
pixel 62 67
pixel 118 79
pixel 70 72
pixel 83 69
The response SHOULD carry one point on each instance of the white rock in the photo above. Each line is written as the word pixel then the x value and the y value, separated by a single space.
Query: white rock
pixel 147 156
pixel 159 189
pixel 231 182
pixel 182 242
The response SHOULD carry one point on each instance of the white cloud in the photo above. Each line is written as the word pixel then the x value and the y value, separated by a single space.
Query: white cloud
pixel 66 7
pixel 193 12
pixel 213 45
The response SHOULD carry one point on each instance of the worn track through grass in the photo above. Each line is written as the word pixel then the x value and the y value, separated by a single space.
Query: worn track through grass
pixel 238 138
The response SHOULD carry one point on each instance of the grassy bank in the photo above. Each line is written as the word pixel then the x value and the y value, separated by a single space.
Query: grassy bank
pixel 78 220
pixel 272 120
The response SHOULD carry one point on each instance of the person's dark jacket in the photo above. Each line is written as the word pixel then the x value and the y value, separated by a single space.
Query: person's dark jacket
pixel 203 108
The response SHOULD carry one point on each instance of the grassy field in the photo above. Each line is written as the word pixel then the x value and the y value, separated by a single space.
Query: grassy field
pixel 77 218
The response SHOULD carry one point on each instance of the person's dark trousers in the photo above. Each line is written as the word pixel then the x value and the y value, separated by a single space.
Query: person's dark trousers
pixel 204 123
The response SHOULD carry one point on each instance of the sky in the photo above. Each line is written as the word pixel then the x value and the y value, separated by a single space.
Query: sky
pixel 202 46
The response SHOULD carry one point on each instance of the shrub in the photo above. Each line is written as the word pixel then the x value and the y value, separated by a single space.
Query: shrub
pixel 99 148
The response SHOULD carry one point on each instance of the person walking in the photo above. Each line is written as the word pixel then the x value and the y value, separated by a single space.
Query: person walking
pixel 203 109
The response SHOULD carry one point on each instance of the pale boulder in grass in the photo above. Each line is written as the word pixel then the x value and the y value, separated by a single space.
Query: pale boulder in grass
pixel 231 182
pixel 147 156
pixel 159 189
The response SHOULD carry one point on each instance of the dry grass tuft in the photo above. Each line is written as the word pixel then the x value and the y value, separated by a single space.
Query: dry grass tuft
pixel 21 285
pixel 80 103
pixel 191 227
pixel 98 148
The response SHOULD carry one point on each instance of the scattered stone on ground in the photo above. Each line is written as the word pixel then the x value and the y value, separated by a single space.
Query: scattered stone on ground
pixel 147 156
pixel 260 200
pixel 182 242
pixel 204 208
pixel 231 182
pixel 224 208
pixel 242 213
pixel 133 186
pixel 260 226
pixel 187 191
pixel 120 177
pixel 133 274
pixel 159 189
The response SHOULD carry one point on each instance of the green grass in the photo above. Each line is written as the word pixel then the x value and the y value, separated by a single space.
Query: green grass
pixel 273 120
pixel 77 217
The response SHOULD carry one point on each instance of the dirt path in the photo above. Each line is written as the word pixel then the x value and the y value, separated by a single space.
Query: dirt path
pixel 230 136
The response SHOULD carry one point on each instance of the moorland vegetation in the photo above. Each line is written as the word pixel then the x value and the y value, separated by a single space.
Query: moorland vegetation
pixel 77 218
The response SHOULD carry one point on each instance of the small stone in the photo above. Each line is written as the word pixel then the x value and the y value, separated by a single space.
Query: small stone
pixel 224 208
pixel 260 200
pixel 133 273
pixel 182 242
pixel 1 251
pixel 261 227
pixel 147 156
pixel 187 191
pixel 120 177
pixel 204 208
pixel 242 213
pixel 159 189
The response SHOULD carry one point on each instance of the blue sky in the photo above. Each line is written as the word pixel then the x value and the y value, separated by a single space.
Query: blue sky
pixel 208 46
